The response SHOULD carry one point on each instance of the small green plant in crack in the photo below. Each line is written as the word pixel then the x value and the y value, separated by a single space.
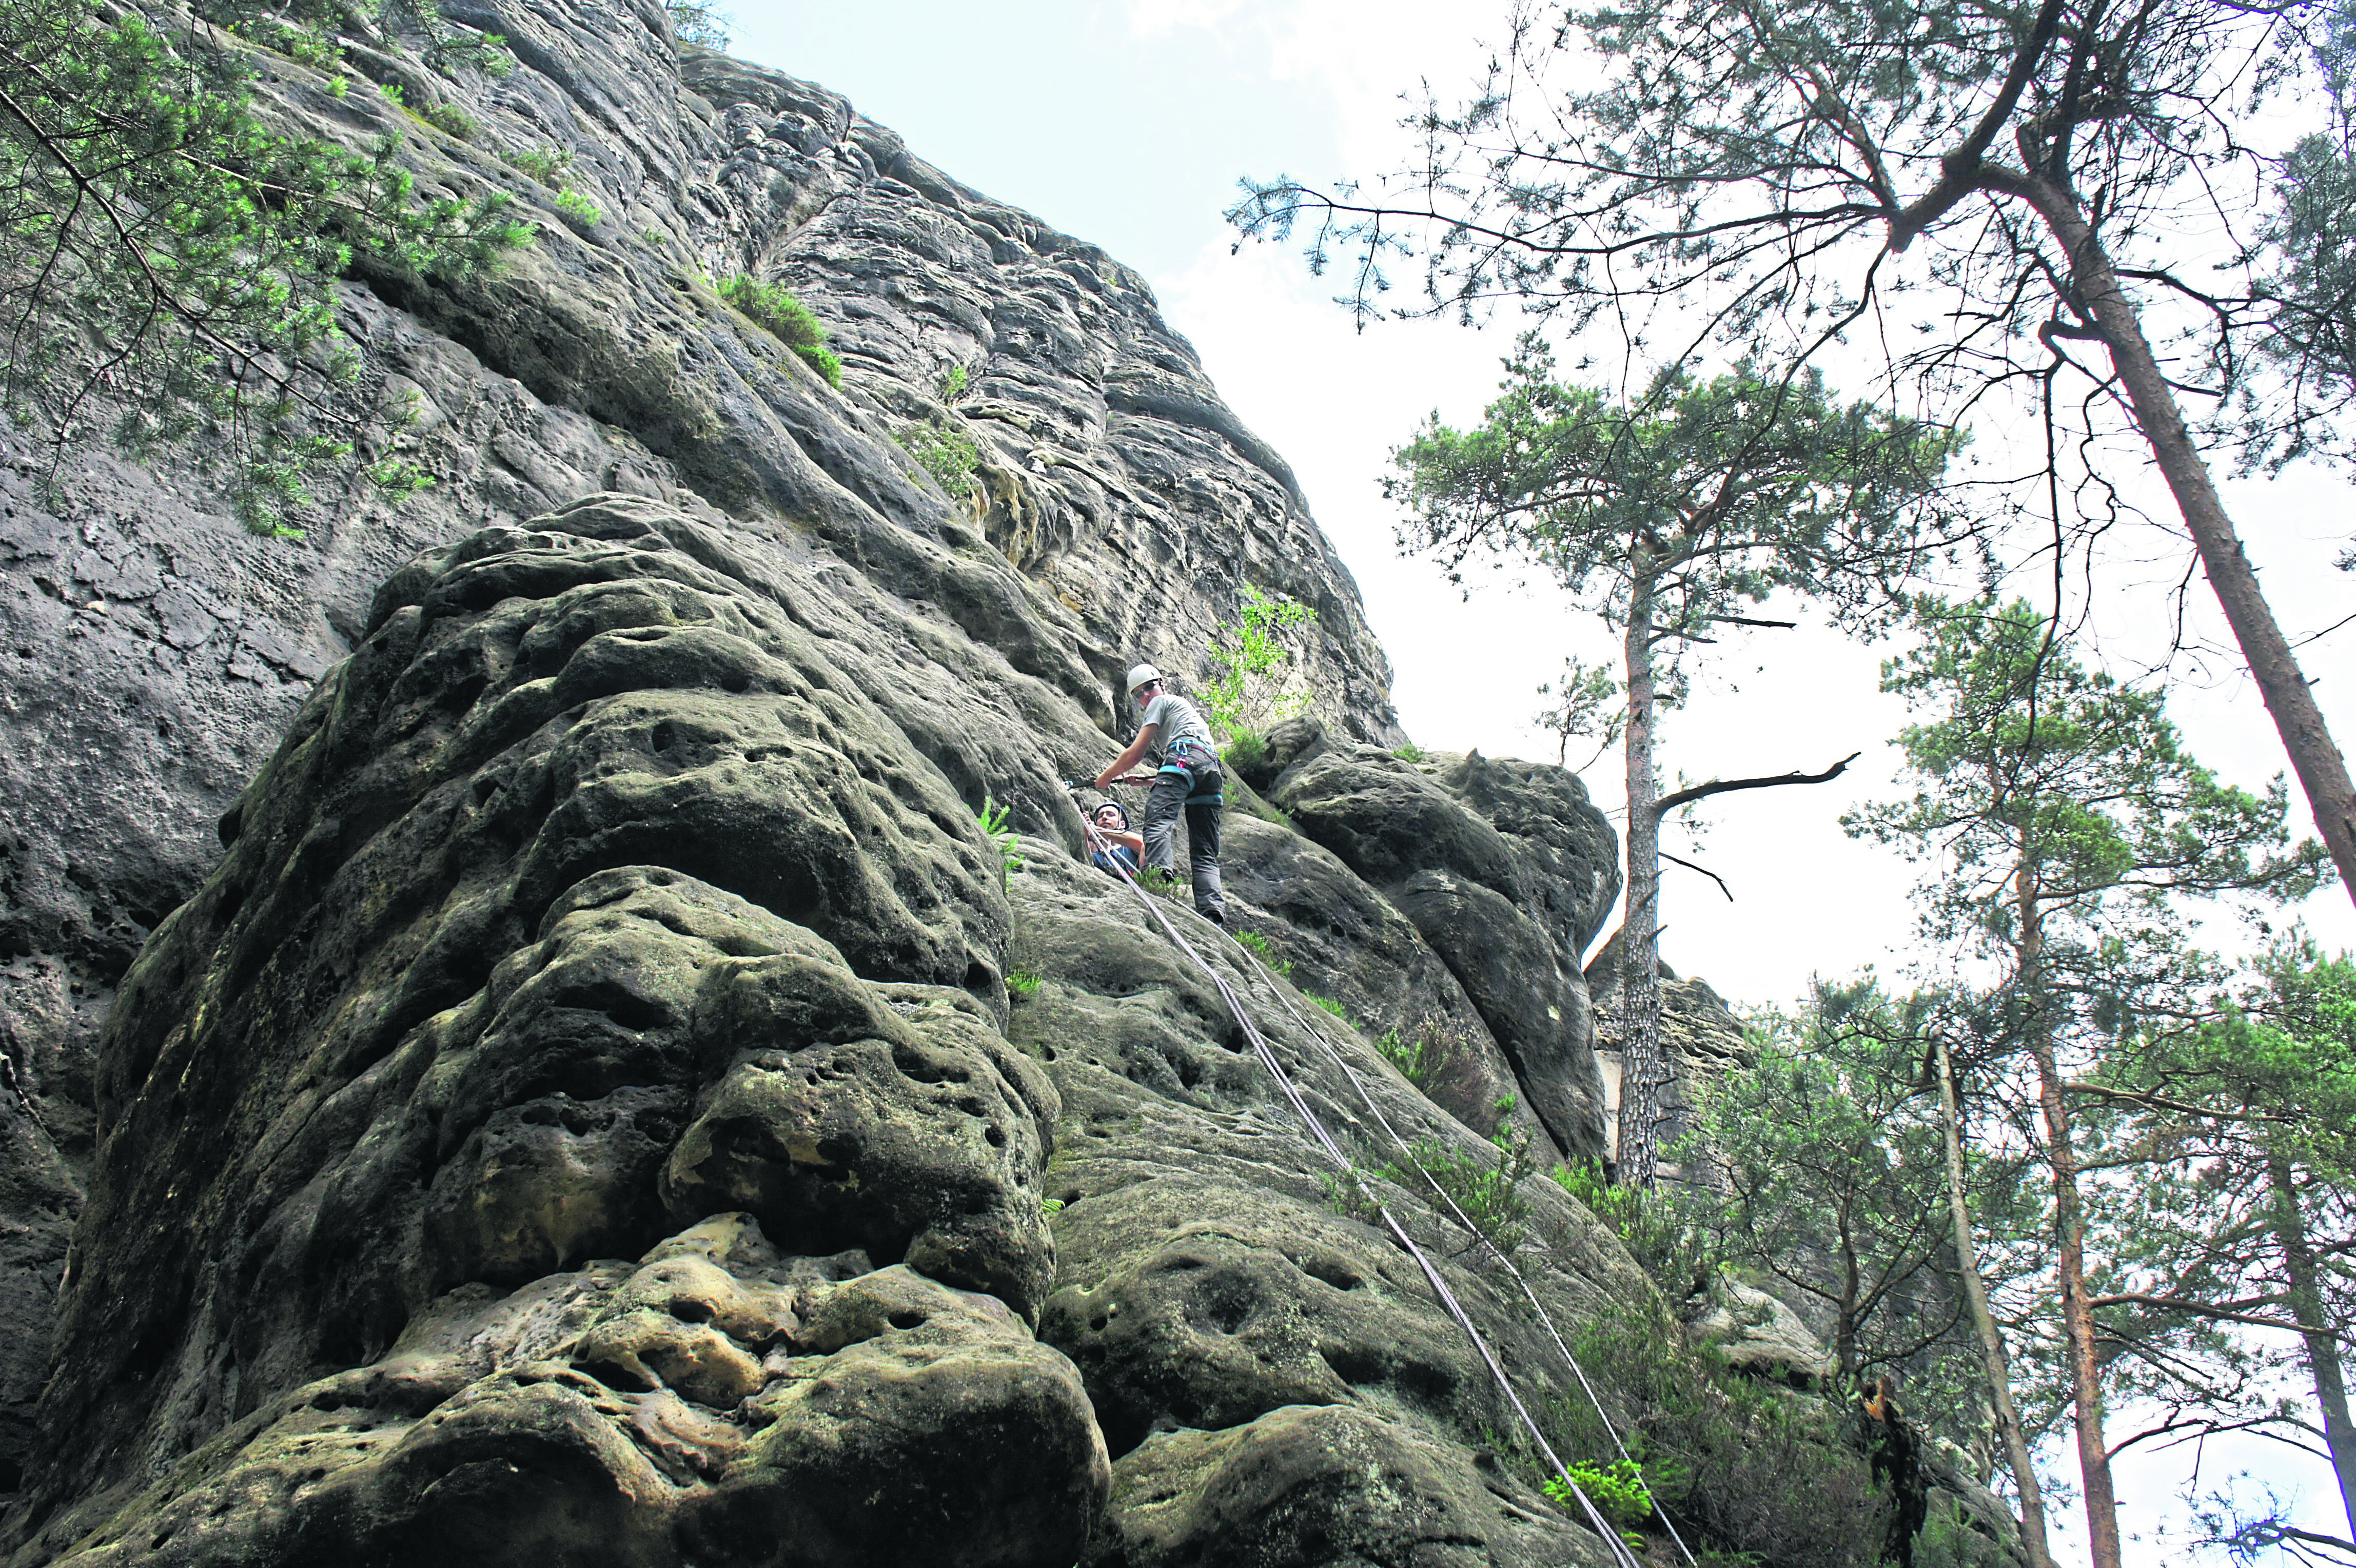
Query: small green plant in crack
pixel 1335 1008
pixel 1617 1490
pixel 1023 985
pixel 1419 1060
pixel 451 121
pixel 991 815
pixel 944 451
pixel 1487 1193
pixel 772 307
pixel 953 384
pixel 1411 752
pixel 1245 751
pixel 1261 950
pixel 1164 884
pixel 577 209
pixel 546 165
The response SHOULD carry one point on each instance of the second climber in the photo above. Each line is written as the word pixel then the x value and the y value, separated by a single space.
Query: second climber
pixel 1188 780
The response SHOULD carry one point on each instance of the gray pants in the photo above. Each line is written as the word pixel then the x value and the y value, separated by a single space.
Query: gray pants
pixel 1174 792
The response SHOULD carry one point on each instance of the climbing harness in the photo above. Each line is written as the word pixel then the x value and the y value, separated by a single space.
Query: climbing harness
pixel 1447 1298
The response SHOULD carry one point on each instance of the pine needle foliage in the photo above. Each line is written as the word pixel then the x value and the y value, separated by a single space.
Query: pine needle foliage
pixel 169 254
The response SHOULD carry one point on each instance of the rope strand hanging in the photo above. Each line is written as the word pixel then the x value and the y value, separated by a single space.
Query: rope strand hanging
pixel 1447 1298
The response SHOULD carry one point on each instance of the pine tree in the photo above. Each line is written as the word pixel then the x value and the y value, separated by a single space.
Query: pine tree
pixel 1669 515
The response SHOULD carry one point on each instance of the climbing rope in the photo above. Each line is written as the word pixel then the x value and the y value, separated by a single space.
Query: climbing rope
pixel 1315 1030
pixel 1504 1260
pixel 1275 1068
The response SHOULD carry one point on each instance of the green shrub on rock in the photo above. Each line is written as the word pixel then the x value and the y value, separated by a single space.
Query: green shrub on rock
pixel 546 165
pixel 1745 1468
pixel 946 452
pixel 1262 950
pixel 451 121
pixel 773 307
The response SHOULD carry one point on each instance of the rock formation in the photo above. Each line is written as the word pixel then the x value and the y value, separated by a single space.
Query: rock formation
pixel 535 1055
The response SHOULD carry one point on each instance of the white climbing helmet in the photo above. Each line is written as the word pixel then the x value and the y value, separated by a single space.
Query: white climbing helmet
pixel 1140 675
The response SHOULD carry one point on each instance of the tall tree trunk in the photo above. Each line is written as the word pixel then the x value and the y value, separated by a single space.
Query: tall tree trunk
pixel 2069 1236
pixel 1992 1356
pixel 2322 1349
pixel 1639 950
pixel 1844 1323
pixel 2322 770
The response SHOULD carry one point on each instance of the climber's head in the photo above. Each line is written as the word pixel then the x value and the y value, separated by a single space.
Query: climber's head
pixel 1111 814
pixel 1143 681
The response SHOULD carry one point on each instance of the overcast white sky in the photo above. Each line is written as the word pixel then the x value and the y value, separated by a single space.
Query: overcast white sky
pixel 1126 125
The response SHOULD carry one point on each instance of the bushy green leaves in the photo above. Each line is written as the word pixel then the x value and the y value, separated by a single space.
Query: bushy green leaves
pixel 773 307
pixel 1247 695
pixel 2030 759
pixel 990 816
pixel 946 451
pixel 168 252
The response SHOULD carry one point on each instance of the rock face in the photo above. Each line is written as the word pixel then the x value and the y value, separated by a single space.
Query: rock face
pixel 601 906
pixel 535 1054
pixel 154 654
pixel 1506 871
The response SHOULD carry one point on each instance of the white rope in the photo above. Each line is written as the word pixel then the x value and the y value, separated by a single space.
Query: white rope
pixel 1447 1298
pixel 1504 1260
pixel 1316 1031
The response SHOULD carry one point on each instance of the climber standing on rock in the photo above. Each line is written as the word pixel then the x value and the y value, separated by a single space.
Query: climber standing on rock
pixel 1189 779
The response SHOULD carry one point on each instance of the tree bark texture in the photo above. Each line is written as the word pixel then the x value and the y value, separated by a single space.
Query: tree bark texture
pixel 2069 1239
pixel 1640 955
pixel 1992 1357
pixel 2314 1329
pixel 2314 756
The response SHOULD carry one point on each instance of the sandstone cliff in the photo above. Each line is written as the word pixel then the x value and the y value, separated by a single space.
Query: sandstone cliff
pixel 511 1001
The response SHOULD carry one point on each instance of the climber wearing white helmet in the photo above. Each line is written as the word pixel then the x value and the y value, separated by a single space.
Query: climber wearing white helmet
pixel 1189 779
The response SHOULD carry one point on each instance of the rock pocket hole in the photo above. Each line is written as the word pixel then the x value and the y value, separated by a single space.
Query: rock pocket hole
pixel 906 1319
pixel 619 1378
pixel 1333 1273
pixel 688 1310
pixel 1228 1313
pixel 1355 1368
pixel 996 1139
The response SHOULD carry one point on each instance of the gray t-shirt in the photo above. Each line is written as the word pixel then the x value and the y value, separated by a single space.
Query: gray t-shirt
pixel 1179 722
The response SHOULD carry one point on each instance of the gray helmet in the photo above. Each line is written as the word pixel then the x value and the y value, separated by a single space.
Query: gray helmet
pixel 1111 805
pixel 1140 675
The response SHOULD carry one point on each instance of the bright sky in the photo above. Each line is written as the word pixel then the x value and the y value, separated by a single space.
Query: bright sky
pixel 1126 125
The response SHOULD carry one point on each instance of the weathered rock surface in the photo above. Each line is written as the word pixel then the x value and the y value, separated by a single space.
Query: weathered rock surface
pixel 154 653
pixel 1506 871
pixel 1275 1381
pixel 717 1402
pixel 615 899
pixel 513 1003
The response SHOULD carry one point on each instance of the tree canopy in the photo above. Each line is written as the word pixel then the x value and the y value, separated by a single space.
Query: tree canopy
pixel 1669 515
pixel 1994 195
